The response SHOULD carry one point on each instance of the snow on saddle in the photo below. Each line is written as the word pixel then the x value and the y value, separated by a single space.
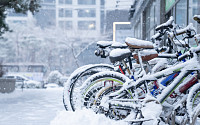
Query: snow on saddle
pixel 119 54
pixel 146 55
pixel 197 18
pixel 104 44
pixel 134 43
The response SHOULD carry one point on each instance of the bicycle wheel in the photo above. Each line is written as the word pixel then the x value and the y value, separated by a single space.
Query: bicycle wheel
pixel 193 104
pixel 99 85
pixel 75 81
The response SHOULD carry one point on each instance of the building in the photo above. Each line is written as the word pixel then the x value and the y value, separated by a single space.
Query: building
pixel 79 18
pixel 13 17
pixel 116 12
pixel 150 13
pixel 46 17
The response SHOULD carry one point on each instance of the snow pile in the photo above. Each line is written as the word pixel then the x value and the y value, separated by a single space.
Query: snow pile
pixel 54 77
pixel 152 110
pixel 83 117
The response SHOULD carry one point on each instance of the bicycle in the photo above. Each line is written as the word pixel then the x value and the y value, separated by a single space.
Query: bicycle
pixel 128 89
pixel 78 76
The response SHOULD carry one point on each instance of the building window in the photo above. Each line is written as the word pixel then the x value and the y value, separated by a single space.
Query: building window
pixel 102 2
pixel 11 12
pixel 150 21
pixel 48 1
pixel 193 10
pixel 65 1
pixel 86 25
pixel 137 30
pixel 65 13
pixel 87 13
pixel 194 1
pixel 65 25
pixel 181 13
pixel 23 22
pixel 86 2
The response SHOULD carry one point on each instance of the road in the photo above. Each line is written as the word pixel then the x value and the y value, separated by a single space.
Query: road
pixel 30 107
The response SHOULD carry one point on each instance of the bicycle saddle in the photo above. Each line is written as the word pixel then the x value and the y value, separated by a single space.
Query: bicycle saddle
pixel 104 44
pixel 146 55
pixel 197 18
pixel 119 54
pixel 134 43
pixel 118 45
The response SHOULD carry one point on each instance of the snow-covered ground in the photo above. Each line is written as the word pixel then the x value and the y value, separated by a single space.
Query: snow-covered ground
pixel 45 107
pixel 30 107
pixel 83 117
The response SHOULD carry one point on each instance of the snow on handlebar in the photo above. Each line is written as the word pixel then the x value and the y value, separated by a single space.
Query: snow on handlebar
pixel 166 25
pixel 189 28
pixel 189 53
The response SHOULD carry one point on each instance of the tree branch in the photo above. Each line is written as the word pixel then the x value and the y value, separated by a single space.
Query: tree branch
pixel 4 2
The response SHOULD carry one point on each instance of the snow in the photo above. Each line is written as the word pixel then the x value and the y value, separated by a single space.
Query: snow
pixel 190 109
pixel 190 27
pixel 166 55
pixel 161 64
pixel 147 111
pixel 118 44
pixel 72 78
pixel 197 37
pixel 187 65
pixel 169 22
pixel 138 42
pixel 195 49
pixel 112 73
pixel 198 16
pixel 148 52
pixel 155 36
pixel 45 107
pixel 119 52
pixel 30 106
pixel 83 117
pixel 104 43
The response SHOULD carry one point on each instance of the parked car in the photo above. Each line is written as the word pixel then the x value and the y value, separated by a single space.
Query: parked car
pixel 51 86
pixel 23 82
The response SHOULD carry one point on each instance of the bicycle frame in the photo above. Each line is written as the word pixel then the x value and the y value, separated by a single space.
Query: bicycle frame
pixel 186 68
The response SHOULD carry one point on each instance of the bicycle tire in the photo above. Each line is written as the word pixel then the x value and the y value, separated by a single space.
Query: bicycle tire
pixel 98 85
pixel 193 103
pixel 74 81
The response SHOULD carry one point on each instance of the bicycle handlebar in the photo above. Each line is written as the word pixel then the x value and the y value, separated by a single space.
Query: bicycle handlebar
pixel 187 29
pixel 189 53
pixel 165 25
pixel 197 18
pixel 161 27
pixel 185 55
pixel 167 56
